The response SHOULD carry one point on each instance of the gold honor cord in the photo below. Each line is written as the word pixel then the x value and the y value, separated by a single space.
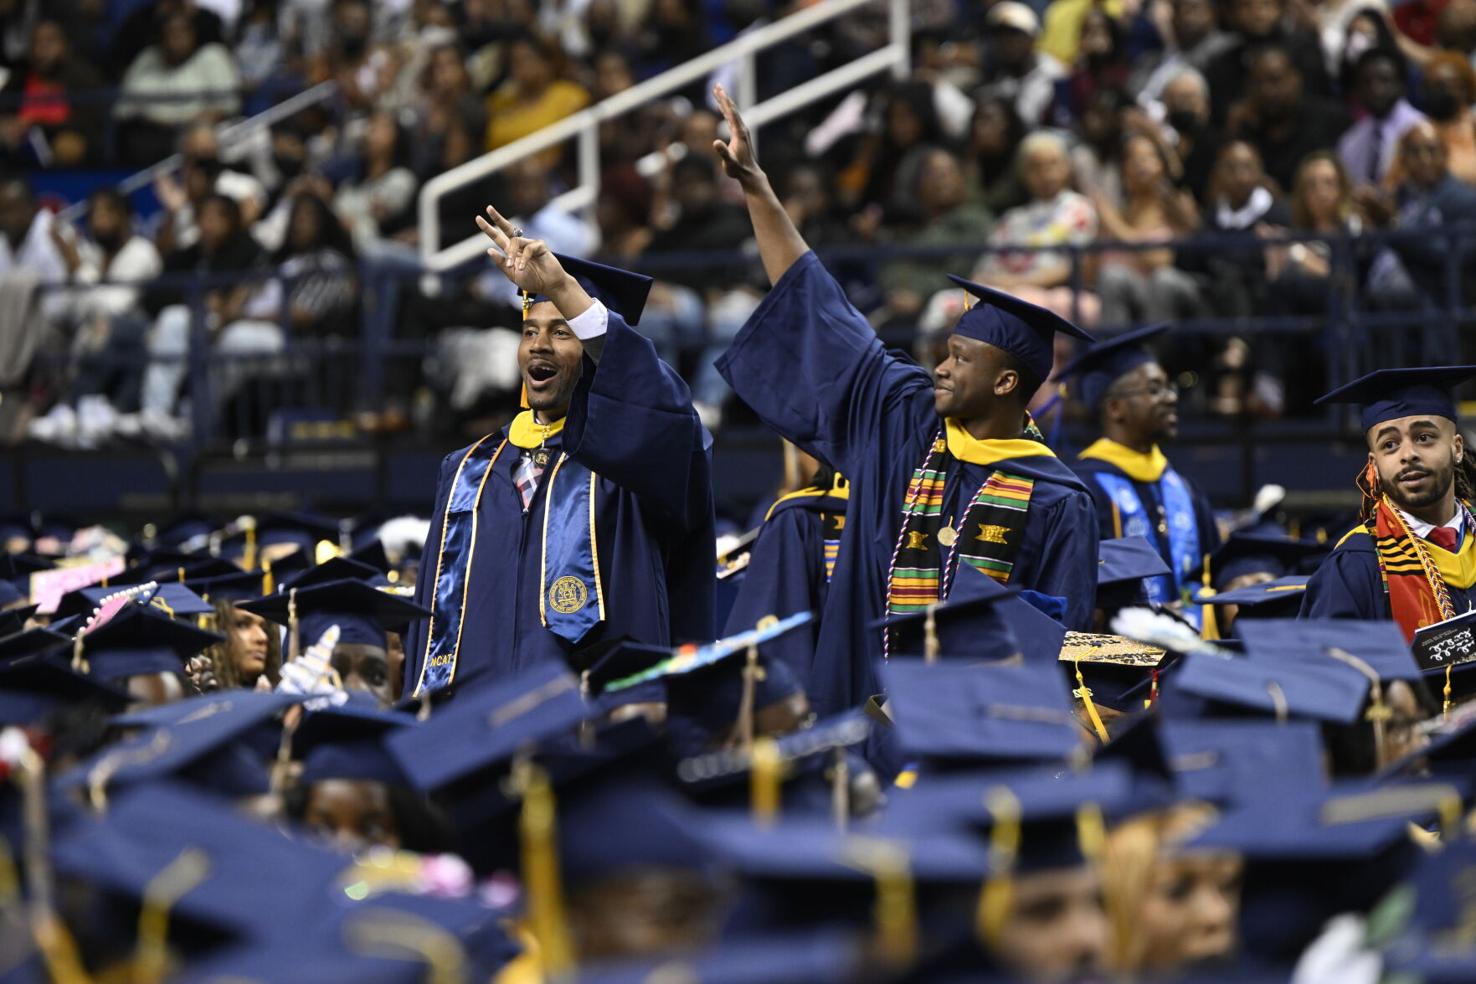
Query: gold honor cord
pixel 392 933
pixel 996 897
pixel 1085 694
pixel 931 649
pixel 538 829
pixel 177 879
pixel 766 781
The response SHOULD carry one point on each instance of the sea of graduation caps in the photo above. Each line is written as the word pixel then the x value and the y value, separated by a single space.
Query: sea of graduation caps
pixel 153 839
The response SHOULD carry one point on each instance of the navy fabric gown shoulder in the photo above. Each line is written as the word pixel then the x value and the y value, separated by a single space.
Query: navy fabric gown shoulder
pixel 811 367
pixel 631 422
pixel 1348 584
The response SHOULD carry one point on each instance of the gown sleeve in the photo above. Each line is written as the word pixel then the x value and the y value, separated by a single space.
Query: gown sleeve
pixel 1068 568
pixel 811 367
pixel 1346 585
pixel 631 421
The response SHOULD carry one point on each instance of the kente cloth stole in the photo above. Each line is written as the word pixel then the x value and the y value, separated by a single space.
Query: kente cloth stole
pixel 571 598
pixel 1418 595
pixel 986 538
pixel 832 524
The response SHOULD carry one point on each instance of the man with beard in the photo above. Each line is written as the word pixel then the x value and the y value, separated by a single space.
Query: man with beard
pixel 1413 557
pixel 1135 490
pixel 587 519
pixel 1280 116
pixel 947 471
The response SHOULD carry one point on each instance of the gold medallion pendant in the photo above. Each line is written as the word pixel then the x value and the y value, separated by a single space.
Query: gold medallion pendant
pixel 948 536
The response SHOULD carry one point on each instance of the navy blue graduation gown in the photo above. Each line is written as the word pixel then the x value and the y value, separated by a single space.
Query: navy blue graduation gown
pixel 1348 584
pixel 786 574
pixel 1150 495
pixel 812 368
pixel 631 422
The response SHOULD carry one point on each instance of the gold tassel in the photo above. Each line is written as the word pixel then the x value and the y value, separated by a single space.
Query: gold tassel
pixel 1084 692
pixel 248 555
pixel 292 633
pixel 393 933
pixel 1209 626
pixel 1091 832
pixel 765 780
pixel 752 674
pixel 894 912
pixel 840 791
pixel 1445 694
pixel 538 828
pixel 996 898
pixel 268 583
pixel 184 873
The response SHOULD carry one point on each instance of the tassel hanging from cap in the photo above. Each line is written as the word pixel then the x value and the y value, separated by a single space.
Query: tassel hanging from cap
pixel 1084 694
pixel 765 780
pixel 1210 623
pixel 538 830
pixel 996 897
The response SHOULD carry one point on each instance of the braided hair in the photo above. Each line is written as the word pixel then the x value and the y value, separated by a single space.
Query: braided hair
pixel 1367 482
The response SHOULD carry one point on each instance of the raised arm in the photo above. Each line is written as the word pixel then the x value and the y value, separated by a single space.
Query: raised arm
pixel 779 242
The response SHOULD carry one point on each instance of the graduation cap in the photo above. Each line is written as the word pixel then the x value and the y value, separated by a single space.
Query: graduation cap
pixel 1281 598
pixel 247 539
pixel 33 689
pixel 490 725
pixel 981 620
pixel 1122 566
pixel 31 642
pixel 334 569
pixel 15 526
pixel 816 957
pixel 1000 712
pixel 238 586
pixel 1018 327
pixel 13 620
pixel 142 640
pixel 619 290
pixel 347 742
pixel 1112 667
pixel 232 873
pixel 1379 645
pixel 1097 367
pixel 372 554
pixel 363 613
pixel 173 599
pixel 1325 690
pixel 188 532
pixel 613 821
pixel 1261 553
pixel 1389 394
pixel 1223 760
pixel 1435 947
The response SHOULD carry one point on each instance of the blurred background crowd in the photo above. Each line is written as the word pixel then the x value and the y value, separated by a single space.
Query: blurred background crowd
pixel 1271 174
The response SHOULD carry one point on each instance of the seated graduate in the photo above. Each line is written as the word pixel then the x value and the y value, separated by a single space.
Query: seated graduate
pixel 1413 558
pixel 944 470
pixel 1135 489
pixel 589 518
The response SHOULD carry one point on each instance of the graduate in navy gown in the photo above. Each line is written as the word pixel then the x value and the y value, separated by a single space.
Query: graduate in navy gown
pixel 588 518
pixel 1413 556
pixel 942 471
pixel 1136 491
pixel 790 566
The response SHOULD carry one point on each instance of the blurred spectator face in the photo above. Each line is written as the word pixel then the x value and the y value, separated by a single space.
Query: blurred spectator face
pixel 1057 928
pixel 807 192
pixel 352 22
pixel 218 222
pixel 305 224
pixel 1455 29
pixel 352 815
pixel 364 666
pixel 991 134
pixel 1012 49
pixel 694 185
pixel 1447 90
pixel 904 126
pixel 447 74
pixel 699 130
pixel 528 68
pixel 1256 18
pixel 1238 173
pixel 1423 153
pixel 1100 123
pixel 17 209
pixel 1186 103
pixel 1142 167
pixel 201 152
pixel 1321 190
pixel 1275 85
pixel 940 184
pixel 107 222
pixel 527 186
pixel 1045 171
pixel 612 74
pixel 382 136
pixel 1379 86
pixel 1194 20
pixel 1097 44
pixel 178 40
pixel 48 49
pixel 289 153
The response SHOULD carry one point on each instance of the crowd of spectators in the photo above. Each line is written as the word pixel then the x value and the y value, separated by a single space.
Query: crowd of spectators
pixel 1193 136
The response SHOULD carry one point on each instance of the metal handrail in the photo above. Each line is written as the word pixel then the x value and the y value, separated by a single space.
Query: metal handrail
pixel 584 125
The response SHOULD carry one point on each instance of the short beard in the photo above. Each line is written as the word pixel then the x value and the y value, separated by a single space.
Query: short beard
pixel 1444 479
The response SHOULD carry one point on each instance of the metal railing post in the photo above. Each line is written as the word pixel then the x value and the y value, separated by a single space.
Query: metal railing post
pixel 899 18
pixel 748 89
pixel 589 165
pixel 197 362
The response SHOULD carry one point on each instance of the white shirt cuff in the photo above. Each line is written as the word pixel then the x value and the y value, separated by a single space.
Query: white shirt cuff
pixel 592 323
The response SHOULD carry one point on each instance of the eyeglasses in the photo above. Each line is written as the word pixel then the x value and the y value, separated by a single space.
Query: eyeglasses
pixel 1154 391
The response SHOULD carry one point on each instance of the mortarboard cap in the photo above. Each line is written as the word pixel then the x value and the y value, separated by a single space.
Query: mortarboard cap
pixel 1323 691
pixel 1436 946
pixel 363 613
pixel 1018 327
pixel 33 689
pixel 1003 711
pixel 619 290
pixel 188 532
pixel 334 569
pixel 1226 760
pixel 1281 598
pixel 1128 559
pixel 372 554
pixel 816 957
pixel 142 640
pixel 1378 644
pixel 238 586
pixel 31 642
pixel 1114 668
pixel 347 742
pixel 1097 367
pixel 13 620
pixel 613 820
pixel 1261 553
pixel 489 725
pixel 1388 394
pixel 173 599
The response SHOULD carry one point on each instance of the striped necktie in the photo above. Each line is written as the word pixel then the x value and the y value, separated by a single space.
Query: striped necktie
pixel 526 477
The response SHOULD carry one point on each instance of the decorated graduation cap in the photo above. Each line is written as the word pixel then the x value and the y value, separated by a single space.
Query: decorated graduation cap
pixel 1245 553
pixel 1111 669
pixel 1389 394
pixel 1024 330
pixel 139 640
pixel 1097 367
pixel 619 290
pixel 956 712
pixel 362 612
pixel 173 599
